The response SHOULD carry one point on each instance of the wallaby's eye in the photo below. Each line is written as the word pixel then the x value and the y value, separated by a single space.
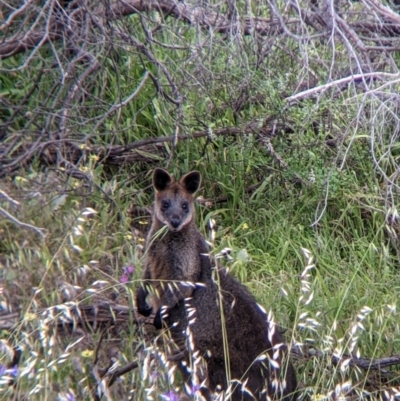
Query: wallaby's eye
pixel 185 205
pixel 165 205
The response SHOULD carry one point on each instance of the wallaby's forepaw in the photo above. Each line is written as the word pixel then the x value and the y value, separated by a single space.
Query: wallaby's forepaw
pixel 158 320
pixel 160 315
pixel 143 307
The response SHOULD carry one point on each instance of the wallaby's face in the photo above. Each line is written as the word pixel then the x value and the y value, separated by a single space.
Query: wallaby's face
pixel 174 201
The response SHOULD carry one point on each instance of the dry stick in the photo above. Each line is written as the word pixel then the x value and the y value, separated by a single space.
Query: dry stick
pixel 8 197
pixel 362 363
pixel 14 14
pixel 125 369
pixel 189 14
pixel 26 156
pixel 313 91
pixel 101 385
pixel 40 231
pixel 350 33
pixel 267 143
pixel 386 11
pixel 199 134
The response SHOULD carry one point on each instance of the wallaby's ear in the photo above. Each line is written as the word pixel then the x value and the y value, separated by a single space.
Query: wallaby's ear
pixel 161 179
pixel 191 181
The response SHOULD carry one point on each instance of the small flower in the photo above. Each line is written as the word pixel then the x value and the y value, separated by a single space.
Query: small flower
pixel 87 353
pixel 245 226
pixel 30 316
pixel 128 271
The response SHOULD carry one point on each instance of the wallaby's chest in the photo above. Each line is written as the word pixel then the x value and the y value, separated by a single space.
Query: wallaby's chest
pixel 173 258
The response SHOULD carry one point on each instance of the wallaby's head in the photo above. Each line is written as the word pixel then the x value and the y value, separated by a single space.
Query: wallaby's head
pixel 174 201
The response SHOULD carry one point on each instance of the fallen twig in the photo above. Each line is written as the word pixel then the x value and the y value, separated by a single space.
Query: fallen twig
pixel 40 231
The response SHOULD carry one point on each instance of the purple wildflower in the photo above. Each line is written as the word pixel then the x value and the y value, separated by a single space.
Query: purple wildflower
pixel 13 371
pixel 8 371
pixel 70 396
pixel 171 396
pixel 128 271
pixel 194 389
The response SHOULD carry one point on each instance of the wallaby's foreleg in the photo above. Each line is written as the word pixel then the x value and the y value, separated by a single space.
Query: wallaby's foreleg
pixel 143 307
pixel 174 294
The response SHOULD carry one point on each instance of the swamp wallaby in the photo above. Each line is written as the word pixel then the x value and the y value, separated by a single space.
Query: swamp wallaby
pixel 206 311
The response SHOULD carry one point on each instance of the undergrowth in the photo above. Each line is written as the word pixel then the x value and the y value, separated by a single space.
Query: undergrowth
pixel 331 285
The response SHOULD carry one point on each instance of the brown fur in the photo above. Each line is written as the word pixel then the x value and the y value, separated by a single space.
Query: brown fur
pixel 201 304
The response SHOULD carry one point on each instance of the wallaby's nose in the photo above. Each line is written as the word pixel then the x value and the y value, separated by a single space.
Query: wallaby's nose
pixel 175 221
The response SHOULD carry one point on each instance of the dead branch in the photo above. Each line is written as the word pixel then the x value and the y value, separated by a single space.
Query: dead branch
pixel 121 371
pixel 106 314
pixel 191 14
pixel 338 83
pixel 147 150
pixel 13 219
pixel 19 44
pixel 209 18
pixel 384 11
pixel 8 198
pixel 362 363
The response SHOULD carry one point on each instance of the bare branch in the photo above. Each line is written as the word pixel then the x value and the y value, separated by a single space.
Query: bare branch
pixel 40 231
pixel 191 14
pixel 337 83
pixel 11 200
